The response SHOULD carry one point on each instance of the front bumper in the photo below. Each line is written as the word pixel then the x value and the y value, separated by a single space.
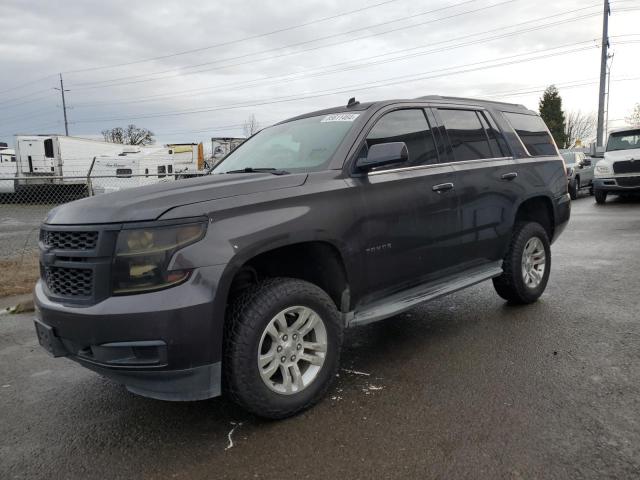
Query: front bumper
pixel 628 184
pixel 164 344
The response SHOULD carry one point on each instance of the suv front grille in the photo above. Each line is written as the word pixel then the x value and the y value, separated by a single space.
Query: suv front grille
pixel 69 240
pixel 68 282
pixel 626 166
pixel 628 181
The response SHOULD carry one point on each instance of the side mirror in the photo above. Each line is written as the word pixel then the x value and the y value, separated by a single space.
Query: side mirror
pixel 383 154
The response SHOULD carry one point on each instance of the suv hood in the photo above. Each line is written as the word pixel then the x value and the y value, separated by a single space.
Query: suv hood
pixel 151 201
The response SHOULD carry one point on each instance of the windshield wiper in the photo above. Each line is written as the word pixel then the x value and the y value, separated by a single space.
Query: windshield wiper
pixel 273 171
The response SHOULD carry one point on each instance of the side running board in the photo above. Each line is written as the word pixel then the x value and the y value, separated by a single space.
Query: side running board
pixel 401 301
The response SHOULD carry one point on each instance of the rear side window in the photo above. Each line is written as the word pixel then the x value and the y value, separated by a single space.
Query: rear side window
pixel 533 133
pixel 411 127
pixel 48 148
pixel 468 135
pixel 496 142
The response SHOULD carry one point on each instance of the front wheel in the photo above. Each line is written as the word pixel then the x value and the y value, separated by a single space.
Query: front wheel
pixel 526 265
pixel 601 196
pixel 282 347
pixel 574 188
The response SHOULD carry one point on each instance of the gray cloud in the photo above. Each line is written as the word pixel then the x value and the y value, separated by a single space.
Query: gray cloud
pixel 43 37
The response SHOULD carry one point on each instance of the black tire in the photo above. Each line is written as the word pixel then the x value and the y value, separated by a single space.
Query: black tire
pixel 601 196
pixel 511 285
pixel 249 314
pixel 574 188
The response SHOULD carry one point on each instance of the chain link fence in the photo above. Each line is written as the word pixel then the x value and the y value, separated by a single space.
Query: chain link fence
pixel 25 201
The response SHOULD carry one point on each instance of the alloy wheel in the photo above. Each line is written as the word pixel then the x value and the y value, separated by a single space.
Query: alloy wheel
pixel 292 350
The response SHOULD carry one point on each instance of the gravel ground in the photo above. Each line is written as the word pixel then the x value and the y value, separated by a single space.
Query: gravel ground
pixel 19 225
pixel 464 387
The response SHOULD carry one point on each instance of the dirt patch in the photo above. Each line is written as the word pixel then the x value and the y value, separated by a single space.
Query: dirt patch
pixel 19 275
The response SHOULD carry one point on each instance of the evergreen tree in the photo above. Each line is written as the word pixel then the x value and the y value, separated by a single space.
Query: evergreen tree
pixel 551 112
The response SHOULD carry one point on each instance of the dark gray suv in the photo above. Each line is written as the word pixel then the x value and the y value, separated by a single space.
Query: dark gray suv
pixel 244 280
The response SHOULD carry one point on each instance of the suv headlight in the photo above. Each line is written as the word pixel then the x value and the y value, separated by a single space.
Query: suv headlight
pixel 603 170
pixel 143 255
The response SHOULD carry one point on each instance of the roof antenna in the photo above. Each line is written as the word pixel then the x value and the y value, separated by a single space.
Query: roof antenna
pixel 352 102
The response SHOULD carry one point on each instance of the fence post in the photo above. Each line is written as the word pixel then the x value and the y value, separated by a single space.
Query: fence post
pixel 89 184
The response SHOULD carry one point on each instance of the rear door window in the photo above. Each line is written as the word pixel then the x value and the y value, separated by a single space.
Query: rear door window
pixel 533 133
pixel 467 135
pixel 411 127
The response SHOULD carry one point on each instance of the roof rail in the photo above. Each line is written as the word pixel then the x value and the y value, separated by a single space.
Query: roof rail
pixel 467 100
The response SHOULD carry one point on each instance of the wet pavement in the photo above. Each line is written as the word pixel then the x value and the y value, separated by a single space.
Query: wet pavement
pixel 464 387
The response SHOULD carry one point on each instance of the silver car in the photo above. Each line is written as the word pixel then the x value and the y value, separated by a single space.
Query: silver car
pixel 579 172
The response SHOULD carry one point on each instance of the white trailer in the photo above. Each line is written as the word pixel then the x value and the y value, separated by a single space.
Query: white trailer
pixel 44 159
pixel 142 166
pixel 8 170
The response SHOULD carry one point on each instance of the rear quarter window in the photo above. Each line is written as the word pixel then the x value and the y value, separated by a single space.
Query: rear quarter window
pixel 533 133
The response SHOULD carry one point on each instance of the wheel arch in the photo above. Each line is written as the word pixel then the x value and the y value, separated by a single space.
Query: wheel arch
pixel 538 208
pixel 328 269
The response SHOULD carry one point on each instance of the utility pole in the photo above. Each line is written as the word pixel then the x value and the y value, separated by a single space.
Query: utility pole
pixel 64 106
pixel 606 123
pixel 603 73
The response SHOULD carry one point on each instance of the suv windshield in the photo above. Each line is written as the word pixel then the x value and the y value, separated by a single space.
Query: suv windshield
pixel 569 158
pixel 624 140
pixel 300 145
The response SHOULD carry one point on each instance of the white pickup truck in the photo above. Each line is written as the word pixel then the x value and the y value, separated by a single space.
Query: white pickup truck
pixel 619 172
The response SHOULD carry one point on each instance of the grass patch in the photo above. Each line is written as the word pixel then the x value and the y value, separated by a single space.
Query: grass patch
pixel 19 275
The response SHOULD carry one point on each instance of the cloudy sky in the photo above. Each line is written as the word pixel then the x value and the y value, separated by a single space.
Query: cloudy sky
pixel 197 69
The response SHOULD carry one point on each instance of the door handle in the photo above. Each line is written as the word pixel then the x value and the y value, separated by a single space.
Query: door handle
pixel 509 176
pixel 443 187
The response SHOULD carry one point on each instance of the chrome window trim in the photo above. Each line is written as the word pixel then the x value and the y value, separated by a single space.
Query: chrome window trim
pixel 435 165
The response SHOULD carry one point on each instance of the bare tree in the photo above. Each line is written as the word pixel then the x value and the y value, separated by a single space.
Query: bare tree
pixel 251 126
pixel 138 136
pixel 113 135
pixel 634 118
pixel 579 128
pixel 131 135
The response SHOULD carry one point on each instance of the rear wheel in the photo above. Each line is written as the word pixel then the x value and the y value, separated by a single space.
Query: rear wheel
pixel 601 196
pixel 526 265
pixel 282 348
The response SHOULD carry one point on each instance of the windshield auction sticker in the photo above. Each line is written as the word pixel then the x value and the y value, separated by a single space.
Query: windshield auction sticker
pixel 340 117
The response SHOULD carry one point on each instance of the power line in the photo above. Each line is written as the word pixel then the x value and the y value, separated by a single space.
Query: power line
pixel 113 81
pixel 231 42
pixel 31 114
pixel 25 96
pixel 22 85
pixel 522 91
pixel 358 87
pixel 80 85
pixel 564 85
pixel 321 71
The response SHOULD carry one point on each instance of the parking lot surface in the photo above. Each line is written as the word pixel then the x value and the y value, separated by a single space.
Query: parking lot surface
pixel 464 387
